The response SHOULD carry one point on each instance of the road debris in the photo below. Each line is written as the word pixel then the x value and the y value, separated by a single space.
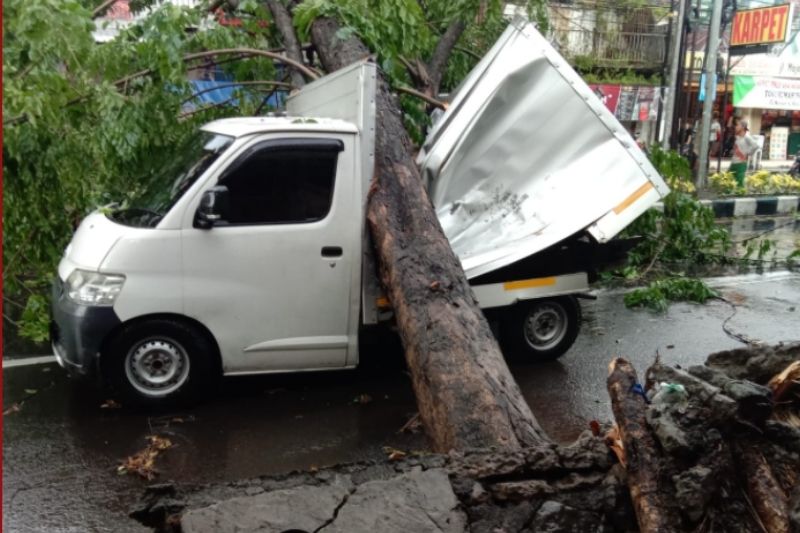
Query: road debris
pixel 414 425
pixel 708 453
pixel 394 454
pixel 363 399
pixel 110 404
pixel 15 408
pixel 142 463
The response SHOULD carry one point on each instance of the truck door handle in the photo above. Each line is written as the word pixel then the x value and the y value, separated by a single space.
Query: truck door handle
pixel 331 251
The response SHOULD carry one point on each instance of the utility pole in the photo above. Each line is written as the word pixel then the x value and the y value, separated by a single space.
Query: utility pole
pixel 711 89
pixel 672 91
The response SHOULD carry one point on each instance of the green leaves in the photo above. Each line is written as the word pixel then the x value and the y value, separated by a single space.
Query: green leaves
pixel 657 295
pixel 87 138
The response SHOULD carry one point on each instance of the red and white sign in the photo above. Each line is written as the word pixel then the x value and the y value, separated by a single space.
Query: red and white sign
pixel 609 94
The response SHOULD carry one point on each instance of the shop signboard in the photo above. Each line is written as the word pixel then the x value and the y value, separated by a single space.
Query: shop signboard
pixel 754 30
pixel 766 92
pixel 626 108
pixel 609 94
pixel 629 103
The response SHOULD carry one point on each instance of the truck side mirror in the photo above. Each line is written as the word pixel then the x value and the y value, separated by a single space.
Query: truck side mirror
pixel 213 207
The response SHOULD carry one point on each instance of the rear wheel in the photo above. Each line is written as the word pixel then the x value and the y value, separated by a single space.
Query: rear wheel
pixel 541 330
pixel 159 362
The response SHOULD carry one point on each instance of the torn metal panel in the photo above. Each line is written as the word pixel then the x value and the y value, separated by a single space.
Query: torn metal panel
pixel 527 156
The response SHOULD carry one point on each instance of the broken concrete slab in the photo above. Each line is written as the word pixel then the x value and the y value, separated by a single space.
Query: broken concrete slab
pixel 419 501
pixel 306 508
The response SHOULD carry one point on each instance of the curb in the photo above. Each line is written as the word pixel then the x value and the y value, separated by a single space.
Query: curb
pixel 748 207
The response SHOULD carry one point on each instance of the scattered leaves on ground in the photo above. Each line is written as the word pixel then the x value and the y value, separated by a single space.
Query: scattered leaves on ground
pixel 15 408
pixel 110 404
pixel 393 454
pixel 31 391
pixel 142 463
pixel 658 294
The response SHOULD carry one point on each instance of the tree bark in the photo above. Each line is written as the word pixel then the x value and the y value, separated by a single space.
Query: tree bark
pixel 641 453
pixel 438 61
pixel 283 21
pixel 765 492
pixel 466 395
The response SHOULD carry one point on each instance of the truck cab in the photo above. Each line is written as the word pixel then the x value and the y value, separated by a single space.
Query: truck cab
pixel 251 249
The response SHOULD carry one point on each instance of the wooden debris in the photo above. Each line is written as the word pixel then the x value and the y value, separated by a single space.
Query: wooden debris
pixel 640 450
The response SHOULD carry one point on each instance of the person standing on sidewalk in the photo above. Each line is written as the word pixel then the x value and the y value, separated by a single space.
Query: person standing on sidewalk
pixel 715 140
pixel 743 147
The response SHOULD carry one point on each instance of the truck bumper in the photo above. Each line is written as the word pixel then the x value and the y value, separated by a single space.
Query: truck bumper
pixel 78 331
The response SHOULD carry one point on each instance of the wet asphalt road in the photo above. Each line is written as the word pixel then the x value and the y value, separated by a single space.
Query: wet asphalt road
pixel 61 448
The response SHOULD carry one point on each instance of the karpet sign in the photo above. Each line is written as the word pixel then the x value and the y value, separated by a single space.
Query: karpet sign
pixel 755 29
pixel 766 93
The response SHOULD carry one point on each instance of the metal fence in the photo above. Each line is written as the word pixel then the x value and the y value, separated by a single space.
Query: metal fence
pixel 613 48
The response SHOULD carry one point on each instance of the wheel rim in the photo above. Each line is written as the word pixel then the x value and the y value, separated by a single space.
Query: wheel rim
pixel 545 326
pixel 157 367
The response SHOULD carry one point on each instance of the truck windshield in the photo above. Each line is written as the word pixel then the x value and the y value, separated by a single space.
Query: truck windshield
pixel 155 199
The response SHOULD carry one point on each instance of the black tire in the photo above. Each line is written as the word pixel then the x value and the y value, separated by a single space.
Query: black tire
pixel 540 330
pixel 159 362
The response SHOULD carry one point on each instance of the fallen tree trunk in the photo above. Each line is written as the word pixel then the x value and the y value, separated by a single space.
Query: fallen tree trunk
pixel 466 395
pixel 641 454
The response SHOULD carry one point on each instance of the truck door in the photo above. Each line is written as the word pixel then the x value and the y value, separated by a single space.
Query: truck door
pixel 277 281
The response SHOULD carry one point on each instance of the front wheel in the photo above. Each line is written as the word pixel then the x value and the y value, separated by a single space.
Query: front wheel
pixel 541 330
pixel 158 362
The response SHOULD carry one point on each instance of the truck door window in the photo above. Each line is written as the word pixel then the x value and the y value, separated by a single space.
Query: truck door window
pixel 283 182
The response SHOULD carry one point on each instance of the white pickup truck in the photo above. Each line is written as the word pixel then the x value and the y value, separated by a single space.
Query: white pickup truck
pixel 250 254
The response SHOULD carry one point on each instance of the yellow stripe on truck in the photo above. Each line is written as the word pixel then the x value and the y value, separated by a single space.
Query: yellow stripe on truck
pixel 638 193
pixel 528 283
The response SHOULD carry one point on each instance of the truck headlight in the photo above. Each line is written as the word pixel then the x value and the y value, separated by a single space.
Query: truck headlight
pixel 93 288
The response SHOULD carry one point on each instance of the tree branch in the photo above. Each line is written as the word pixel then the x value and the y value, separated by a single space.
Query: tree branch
pixel 100 10
pixel 441 54
pixel 238 84
pixel 201 109
pixel 467 51
pixel 247 52
pixel 429 99
pixel 283 21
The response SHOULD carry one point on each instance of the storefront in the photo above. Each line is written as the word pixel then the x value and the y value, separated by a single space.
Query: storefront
pixel 766 86
pixel 635 106
pixel 772 106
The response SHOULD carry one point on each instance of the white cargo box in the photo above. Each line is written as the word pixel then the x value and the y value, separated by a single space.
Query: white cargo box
pixel 526 156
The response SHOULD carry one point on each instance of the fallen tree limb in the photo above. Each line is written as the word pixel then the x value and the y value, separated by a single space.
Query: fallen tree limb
pixel 766 494
pixel 641 453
